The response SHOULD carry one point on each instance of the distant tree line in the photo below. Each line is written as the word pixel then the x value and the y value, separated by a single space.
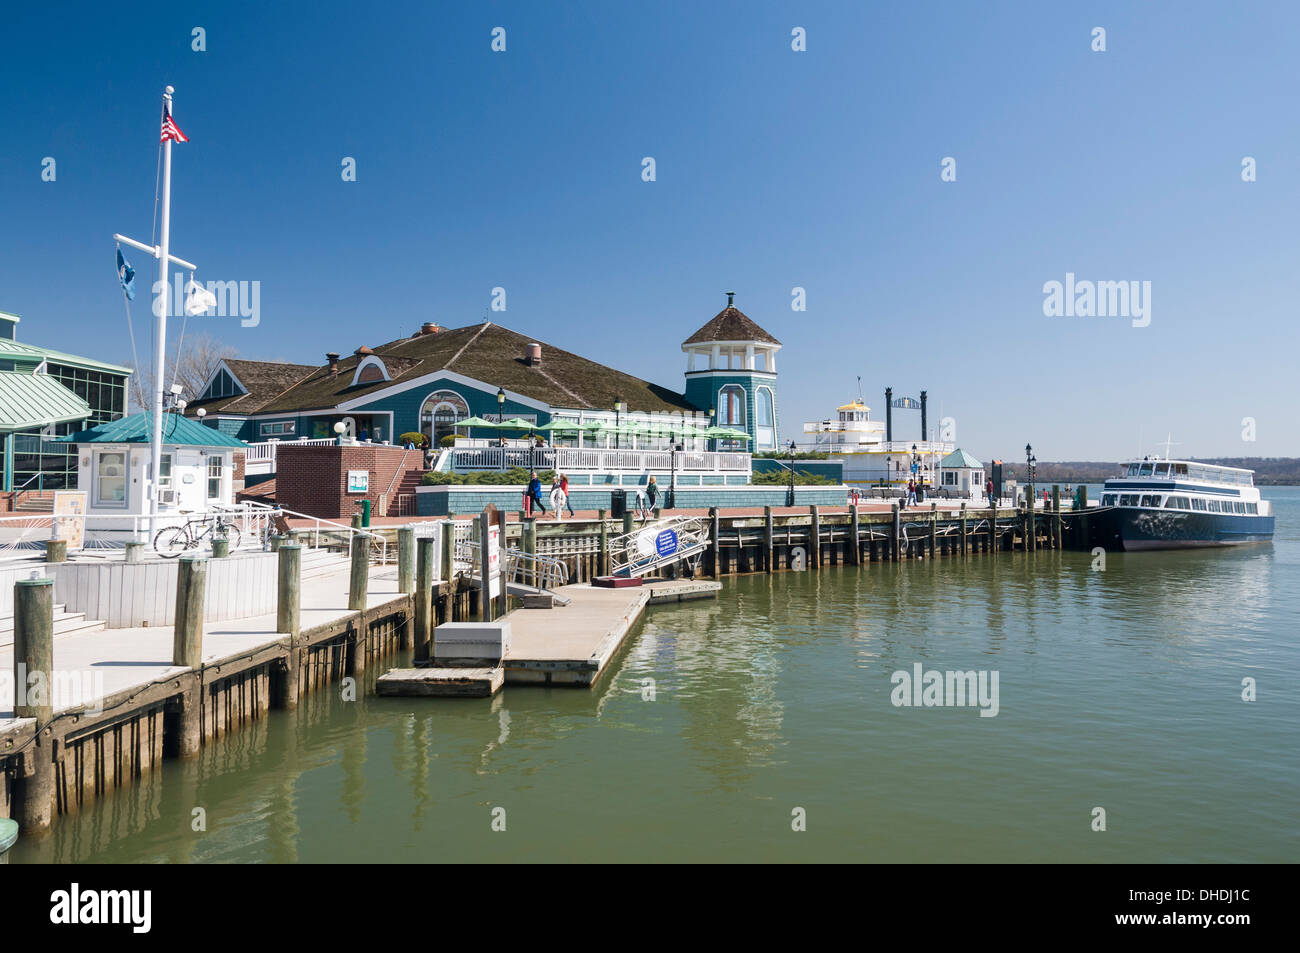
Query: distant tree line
pixel 1269 471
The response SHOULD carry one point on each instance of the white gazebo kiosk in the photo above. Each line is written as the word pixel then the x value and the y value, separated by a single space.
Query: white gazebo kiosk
pixel 113 469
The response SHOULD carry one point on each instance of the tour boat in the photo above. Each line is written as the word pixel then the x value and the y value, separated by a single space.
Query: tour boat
pixel 1170 504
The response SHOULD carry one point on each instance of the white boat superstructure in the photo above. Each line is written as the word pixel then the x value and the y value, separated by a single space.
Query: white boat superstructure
pixel 868 455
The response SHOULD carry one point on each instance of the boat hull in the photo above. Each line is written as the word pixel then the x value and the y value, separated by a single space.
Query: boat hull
pixel 1146 529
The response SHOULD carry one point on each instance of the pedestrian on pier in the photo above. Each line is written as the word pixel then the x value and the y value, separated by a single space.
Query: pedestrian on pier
pixel 535 491
pixel 911 494
pixel 652 495
pixel 564 489
pixel 988 490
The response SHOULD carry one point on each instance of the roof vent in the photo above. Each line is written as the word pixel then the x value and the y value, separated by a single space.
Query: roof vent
pixel 429 328
pixel 533 355
pixel 333 360
pixel 362 351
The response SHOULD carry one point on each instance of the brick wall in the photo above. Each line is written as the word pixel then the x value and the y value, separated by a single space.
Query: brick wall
pixel 313 479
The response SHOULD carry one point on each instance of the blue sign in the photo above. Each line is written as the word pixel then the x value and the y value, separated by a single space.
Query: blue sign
pixel 666 543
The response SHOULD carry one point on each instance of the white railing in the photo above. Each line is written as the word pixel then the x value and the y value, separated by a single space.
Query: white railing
pixel 579 460
pixel 260 457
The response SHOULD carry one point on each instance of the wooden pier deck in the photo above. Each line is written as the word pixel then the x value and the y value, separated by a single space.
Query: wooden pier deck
pixel 132 660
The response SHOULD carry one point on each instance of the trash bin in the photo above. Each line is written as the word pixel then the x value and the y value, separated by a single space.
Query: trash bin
pixel 617 504
pixel 920 494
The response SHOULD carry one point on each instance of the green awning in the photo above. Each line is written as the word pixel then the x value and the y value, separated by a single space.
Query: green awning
pixel 28 401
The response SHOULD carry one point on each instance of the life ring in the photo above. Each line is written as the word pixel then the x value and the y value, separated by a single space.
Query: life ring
pixel 558 499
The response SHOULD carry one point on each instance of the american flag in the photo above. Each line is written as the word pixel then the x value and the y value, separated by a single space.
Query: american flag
pixel 169 128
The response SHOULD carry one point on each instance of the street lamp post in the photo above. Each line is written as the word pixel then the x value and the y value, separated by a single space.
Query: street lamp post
pixel 1030 466
pixel 789 497
pixel 501 416
pixel 671 502
pixel 618 418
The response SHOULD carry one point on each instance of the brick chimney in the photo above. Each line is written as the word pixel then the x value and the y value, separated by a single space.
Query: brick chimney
pixel 333 362
pixel 429 328
pixel 533 355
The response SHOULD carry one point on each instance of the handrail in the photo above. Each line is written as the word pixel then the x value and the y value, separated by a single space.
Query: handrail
pixel 401 469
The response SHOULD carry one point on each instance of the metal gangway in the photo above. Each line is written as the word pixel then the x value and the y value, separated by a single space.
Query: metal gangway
pixel 662 543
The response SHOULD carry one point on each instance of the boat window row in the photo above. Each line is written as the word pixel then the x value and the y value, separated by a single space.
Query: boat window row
pixel 1190 471
pixel 1174 502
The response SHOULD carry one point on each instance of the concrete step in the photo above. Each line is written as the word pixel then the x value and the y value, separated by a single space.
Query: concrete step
pixel 65 623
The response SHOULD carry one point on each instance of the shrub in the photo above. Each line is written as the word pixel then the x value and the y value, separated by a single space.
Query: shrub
pixel 412 437
pixel 782 477
pixel 449 440
pixel 516 476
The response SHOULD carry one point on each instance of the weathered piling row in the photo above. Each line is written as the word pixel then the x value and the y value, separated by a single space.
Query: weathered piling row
pixel 771 543
pixel 54 764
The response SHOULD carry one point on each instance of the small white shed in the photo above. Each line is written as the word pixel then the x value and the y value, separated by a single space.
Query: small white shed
pixel 960 473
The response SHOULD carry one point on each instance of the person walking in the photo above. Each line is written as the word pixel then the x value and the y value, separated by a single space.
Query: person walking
pixel 652 495
pixel 911 494
pixel 567 501
pixel 988 491
pixel 535 491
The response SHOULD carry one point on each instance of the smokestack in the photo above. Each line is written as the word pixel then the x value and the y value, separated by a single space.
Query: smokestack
pixel 533 355
pixel 333 362
pixel 889 413
pixel 923 430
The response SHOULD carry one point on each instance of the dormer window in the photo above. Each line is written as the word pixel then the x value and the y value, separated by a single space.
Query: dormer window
pixel 223 384
pixel 370 370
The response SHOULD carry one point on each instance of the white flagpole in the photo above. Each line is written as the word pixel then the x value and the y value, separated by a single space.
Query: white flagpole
pixel 160 353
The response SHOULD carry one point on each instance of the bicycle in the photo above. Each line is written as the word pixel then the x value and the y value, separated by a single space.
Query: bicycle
pixel 171 541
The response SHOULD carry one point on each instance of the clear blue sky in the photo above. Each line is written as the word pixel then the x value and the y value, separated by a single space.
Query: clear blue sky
pixel 775 169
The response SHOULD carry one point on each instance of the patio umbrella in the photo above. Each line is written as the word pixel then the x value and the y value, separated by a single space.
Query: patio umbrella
pixel 475 422
pixel 517 423
pixel 565 425
pixel 726 433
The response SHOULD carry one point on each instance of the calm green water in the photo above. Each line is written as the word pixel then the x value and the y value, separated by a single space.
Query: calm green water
pixel 1118 688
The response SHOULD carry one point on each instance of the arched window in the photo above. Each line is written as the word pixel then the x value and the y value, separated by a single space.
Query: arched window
pixel 731 406
pixel 765 418
pixel 439 413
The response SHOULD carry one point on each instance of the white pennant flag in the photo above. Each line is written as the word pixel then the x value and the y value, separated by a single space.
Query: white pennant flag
pixel 198 299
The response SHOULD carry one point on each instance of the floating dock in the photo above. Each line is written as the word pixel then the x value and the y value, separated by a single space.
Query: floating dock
pixel 567 645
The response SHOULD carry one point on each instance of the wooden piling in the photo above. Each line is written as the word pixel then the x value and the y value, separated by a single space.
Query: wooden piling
pixel 448 551
pixel 187 637
pixel 855 540
pixel 56 550
pixel 34 656
pixel 627 522
pixel 134 552
pixel 288 592
pixel 934 528
pixel 406 560
pixel 815 538
pixel 602 568
pixel 359 580
pixel 1056 516
pixel 287 620
pixel 503 597
pixel 423 633
pixel 963 528
pixel 715 548
pixel 187 650
pixel 767 539
pixel 898 535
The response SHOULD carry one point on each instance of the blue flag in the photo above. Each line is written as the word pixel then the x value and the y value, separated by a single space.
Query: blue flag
pixel 126 275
